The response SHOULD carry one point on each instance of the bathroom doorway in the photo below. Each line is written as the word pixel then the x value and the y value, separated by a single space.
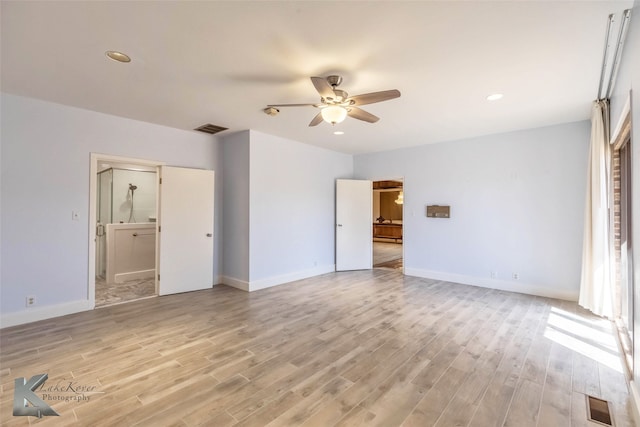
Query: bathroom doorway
pixel 388 229
pixel 125 244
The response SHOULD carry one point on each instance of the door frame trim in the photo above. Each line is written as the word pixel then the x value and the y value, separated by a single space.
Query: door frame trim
pixel 93 193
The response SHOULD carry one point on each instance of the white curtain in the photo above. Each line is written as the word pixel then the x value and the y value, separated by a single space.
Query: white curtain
pixel 596 284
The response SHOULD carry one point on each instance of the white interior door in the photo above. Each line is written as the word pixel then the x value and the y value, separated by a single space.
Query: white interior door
pixel 354 225
pixel 186 234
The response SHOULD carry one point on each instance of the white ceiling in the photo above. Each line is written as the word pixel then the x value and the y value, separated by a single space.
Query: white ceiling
pixel 223 62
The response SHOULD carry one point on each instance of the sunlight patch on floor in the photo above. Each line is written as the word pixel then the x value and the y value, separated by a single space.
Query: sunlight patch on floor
pixel 590 337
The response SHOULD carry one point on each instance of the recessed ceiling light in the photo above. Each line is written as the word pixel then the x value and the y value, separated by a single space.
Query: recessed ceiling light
pixel 117 56
pixel 494 97
pixel 338 132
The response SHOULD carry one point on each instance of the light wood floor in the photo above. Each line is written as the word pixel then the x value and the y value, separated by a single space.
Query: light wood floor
pixel 385 253
pixel 370 348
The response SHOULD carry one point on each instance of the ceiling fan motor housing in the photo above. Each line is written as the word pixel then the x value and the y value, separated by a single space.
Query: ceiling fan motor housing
pixel 334 80
pixel 340 96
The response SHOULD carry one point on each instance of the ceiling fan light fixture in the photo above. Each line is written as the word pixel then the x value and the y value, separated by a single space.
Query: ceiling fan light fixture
pixel 334 114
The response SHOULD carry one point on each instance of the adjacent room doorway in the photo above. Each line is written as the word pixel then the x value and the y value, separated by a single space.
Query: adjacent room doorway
pixel 388 228
pixel 369 224
pixel 126 214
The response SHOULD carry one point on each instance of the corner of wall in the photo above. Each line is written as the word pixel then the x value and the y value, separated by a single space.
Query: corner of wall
pixel 243 285
pixel 256 285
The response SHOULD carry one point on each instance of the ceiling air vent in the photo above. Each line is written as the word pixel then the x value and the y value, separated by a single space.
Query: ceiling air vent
pixel 209 128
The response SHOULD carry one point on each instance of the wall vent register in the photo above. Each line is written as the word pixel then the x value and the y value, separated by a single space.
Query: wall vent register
pixel 598 411
pixel 436 211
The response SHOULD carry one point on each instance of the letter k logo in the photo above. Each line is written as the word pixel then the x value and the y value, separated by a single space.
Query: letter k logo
pixel 24 392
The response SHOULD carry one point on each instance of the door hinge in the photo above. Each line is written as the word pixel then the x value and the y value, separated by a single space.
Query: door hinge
pixel 160 180
pixel 158 277
pixel 159 228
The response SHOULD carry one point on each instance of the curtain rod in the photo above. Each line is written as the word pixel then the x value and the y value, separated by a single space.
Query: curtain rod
pixel 604 55
pixel 622 35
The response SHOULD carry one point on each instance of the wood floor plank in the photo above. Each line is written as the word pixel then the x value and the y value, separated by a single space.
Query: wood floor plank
pixel 555 408
pixel 369 348
pixel 525 405
pixel 586 377
pixel 300 412
pixel 427 412
pixel 272 410
pixel 358 417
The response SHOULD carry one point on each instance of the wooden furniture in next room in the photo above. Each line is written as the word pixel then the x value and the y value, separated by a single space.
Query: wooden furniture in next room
pixel 387 231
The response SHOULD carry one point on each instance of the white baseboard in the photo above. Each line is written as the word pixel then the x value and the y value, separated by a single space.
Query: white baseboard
pixel 135 275
pixel 41 313
pixel 254 285
pixel 504 285
pixel 635 401
pixel 234 283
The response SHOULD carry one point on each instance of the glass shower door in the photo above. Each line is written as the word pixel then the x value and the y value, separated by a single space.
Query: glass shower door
pixel 104 213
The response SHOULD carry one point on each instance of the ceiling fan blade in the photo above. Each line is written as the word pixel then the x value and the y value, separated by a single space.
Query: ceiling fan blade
pixel 370 98
pixel 316 120
pixel 323 87
pixel 360 114
pixel 292 105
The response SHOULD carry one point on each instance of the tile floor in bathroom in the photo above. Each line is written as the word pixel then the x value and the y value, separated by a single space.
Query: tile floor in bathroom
pixel 116 293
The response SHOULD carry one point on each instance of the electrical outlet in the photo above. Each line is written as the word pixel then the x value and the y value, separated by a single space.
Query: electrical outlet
pixel 75 216
pixel 494 274
pixel 515 276
pixel 31 300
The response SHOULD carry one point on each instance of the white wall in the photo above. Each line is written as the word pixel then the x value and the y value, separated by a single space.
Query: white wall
pixel 45 176
pixel 292 201
pixel 279 209
pixel 628 87
pixel 517 202
pixel 235 258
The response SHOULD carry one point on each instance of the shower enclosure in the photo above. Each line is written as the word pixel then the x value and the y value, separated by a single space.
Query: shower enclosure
pixel 126 211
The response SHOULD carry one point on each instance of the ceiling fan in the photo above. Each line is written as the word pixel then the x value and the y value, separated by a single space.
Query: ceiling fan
pixel 336 104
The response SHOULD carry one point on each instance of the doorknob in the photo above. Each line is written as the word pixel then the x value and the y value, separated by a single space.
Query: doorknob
pixel 209 235
pixel 339 225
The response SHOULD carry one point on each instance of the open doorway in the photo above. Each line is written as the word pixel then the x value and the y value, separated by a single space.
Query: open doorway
pixel 388 229
pixel 122 262
pixel 125 232
pixel 186 219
